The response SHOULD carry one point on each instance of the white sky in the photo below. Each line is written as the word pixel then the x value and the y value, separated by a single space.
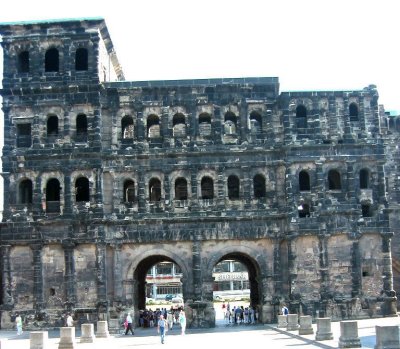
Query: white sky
pixel 308 44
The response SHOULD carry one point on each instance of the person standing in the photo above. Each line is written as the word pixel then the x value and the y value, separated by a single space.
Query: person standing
pixel 162 327
pixel 129 324
pixel 18 324
pixel 170 318
pixel 70 321
pixel 182 321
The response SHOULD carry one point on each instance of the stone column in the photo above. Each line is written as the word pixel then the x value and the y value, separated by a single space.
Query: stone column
pixel 356 269
pixel 197 274
pixel 323 264
pixel 291 266
pixel 101 279
pixel 141 192
pixel 67 194
pixel 390 299
pixel 387 337
pixel 282 321
pixel 87 335
pixel 277 268
pixel 38 340
pixel 292 322
pixel 349 335
pixel 69 277
pixel 117 267
pixel 346 118
pixel 351 193
pixel 165 130
pixel 6 281
pixel 305 325
pixel 102 329
pixel 96 130
pixel 37 276
pixel 67 338
pixel 98 196
pixel 217 131
pixel 324 331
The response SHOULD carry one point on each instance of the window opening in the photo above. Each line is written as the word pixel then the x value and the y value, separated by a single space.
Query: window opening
pixel 24 135
pixel 255 122
pixel 81 125
pixel 259 186
pixel 51 60
pixel 82 190
pixel 304 181
pixel 23 62
pixel 366 210
pixel 205 124
pixel 25 192
pixel 153 126
pixel 303 210
pixel 233 187
pixel 52 126
pixel 301 117
pixel 364 179
pixel 334 181
pixel 181 192
pixel 127 127
pixel 155 190
pixel 207 188
pixel 178 125
pixel 129 191
pixel 53 195
pixel 230 123
pixel 353 112
pixel 81 59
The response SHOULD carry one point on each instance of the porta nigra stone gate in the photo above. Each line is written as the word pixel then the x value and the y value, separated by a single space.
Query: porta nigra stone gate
pixel 103 178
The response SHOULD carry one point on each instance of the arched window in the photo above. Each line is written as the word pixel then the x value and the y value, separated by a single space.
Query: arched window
pixel 155 190
pixel 303 210
pixel 259 186
pixel 81 59
pixel 255 122
pixel 23 62
pixel 230 123
pixel 178 125
pixel 127 127
pixel 25 192
pixel 53 195
pixel 181 190
pixel 51 60
pixel 334 181
pixel 364 179
pixel 233 187
pixel 153 126
pixel 366 210
pixel 129 191
pixel 81 126
pixel 82 190
pixel 353 112
pixel 205 124
pixel 301 116
pixel 207 188
pixel 304 181
pixel 52 126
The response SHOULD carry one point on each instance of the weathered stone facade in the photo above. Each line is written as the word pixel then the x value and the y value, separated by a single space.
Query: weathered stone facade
pixel 104 178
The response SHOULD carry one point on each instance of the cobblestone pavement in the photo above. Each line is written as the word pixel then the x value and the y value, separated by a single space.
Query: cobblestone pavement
pixel 239 336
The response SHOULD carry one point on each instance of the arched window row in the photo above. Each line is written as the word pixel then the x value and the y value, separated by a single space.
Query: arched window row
pixel 334 180
pixel 52 60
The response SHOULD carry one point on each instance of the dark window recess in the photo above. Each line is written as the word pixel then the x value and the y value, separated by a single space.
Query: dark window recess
pixel 52 292
pixel 155 190
pixel 129 191
pixel 24 139
pixel 127 127
pixel 152 130
pixel 233 187
pixel 364 179
pixel 25 192
pixel 51 60
pixel 178 118
pixel 81 127
pixel 82 190
pixel 301 117
pixel 23 62
pixel 181 192
pixel 229 116
pixel 256 121
pixel 53 196
pixel 353 112
pixel 304 181
pixel 334 181
pixel 81 59
pixel 304 210
pixel 207 188
pixel 52 126
pixel 259 186
pixel 366 210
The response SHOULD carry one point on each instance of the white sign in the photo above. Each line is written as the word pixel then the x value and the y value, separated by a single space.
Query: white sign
pixel 231 276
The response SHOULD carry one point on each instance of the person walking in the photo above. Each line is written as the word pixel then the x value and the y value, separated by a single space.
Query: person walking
pixel 129 327
pixel 18 324
pixel 182 321
pixel 162 327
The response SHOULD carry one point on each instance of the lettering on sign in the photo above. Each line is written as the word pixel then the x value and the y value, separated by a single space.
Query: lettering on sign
pixel 230 276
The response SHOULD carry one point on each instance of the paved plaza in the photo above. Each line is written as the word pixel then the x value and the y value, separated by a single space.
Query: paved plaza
pixel 239 336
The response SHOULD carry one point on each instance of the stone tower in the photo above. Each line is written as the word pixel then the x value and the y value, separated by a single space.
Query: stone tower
pixel 104 178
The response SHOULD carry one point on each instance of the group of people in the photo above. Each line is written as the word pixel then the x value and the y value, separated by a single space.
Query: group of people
pixel 161 318
pixel 239 314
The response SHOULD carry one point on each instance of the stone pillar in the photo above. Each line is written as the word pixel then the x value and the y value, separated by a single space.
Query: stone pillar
pixel 67 338
pixel 101 279
pixel 37 276
pixel 87 335
pixel 349 335
pixel 6 281
pixel 197 275
pixel 282 321
pixel 67 194
pixel 165 130
pixel 324 331
pixel 38 340
pixel 306 325
pixel 387 337
pixel 217 125
pixel 324 264
pixel 356 269
pixel 102 329
pixel 292 322
pixel 389 307
pixel 69 277
pixel 141 192
pixel 98 196
pixel 117 267
pixel 277 268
